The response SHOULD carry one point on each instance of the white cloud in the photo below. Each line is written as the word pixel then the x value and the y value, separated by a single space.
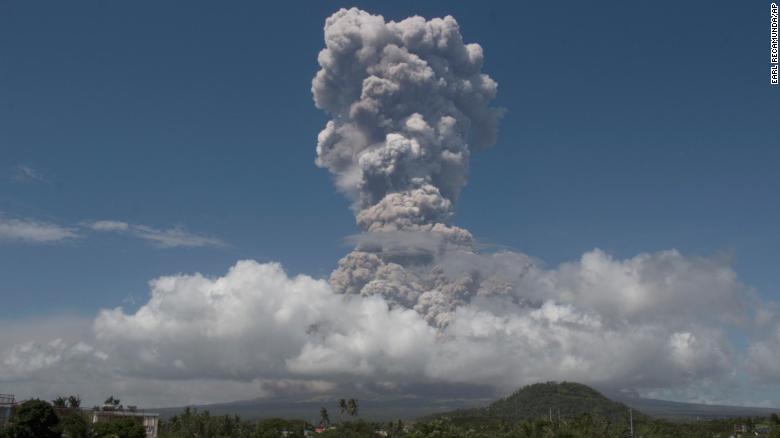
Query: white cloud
pixel 174 237
pixel 170 238
pixel 26 174
pixel 33 231
pixel 107 225
pixel 763 355
pixel 257 324
pixel 27 230
pixel 663 287
pixel 32 357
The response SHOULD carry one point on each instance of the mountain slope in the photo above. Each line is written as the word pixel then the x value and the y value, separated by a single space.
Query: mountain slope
pixel 677 411
pixel 566 399
pixel 542 400
pixel 531 402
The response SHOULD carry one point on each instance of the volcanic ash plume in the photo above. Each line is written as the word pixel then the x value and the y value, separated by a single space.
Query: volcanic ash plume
pixel 404 98
pixel 407 100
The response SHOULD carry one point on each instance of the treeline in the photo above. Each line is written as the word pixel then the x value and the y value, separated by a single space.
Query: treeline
pixel 64 418
pixel 192 424
pixel 587 426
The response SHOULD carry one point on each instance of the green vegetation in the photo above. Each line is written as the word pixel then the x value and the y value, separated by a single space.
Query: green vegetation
pixel 64 418
pixel 547 410
pixel 33 419
pixel 74 425
pixel 119 428
pixel 192 423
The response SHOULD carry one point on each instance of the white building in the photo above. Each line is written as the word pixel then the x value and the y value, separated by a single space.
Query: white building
pixel 149 421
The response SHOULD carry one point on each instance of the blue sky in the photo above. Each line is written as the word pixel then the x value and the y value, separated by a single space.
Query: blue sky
pixel 630 127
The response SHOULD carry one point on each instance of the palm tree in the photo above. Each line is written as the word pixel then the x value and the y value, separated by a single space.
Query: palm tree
pixel 74 402
pixel 342 408
pixel 352 407
pixel 59 402
pixel 324 419
pixel 113 403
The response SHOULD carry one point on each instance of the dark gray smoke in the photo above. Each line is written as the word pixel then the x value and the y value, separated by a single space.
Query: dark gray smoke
pixel 407 101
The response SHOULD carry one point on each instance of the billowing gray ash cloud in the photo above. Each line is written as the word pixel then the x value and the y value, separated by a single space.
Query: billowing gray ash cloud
pixel 408 100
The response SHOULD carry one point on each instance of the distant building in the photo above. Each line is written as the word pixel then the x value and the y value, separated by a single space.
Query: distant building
pixel 149 421
pixel 6 406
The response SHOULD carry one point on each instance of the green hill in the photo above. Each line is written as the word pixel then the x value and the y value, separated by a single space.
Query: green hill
pixel 568 399
pixel 542 400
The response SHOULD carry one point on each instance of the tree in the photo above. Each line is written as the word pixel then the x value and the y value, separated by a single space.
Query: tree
pixel 276 427
pixel 34 419
pixel 352 407
pixel 60 402
pixel 69 402
pixel 774 424
pixel 342 408
pixel 73 425
pixel 436 428
pixel 324 418
pixel 74 401
pixel 119 428
pixel 113 403
pixel 352 429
